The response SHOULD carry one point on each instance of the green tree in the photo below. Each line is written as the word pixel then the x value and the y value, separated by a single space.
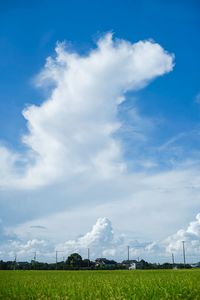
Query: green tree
pixel 74 260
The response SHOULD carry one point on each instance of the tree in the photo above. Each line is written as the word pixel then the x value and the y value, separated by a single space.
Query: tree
pixel 74 260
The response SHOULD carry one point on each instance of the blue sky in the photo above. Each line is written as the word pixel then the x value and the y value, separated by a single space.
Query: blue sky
pixel 157 141
pixel 29 33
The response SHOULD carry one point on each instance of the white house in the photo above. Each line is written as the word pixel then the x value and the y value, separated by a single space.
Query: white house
pixel 133 266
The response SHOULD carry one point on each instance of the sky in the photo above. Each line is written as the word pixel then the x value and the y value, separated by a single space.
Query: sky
pixel 99 129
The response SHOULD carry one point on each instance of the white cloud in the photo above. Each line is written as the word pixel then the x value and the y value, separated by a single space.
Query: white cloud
pixel 73 147
pixel 7 161
pixel 71 133
pixel 42 250
pixel 136 204
pixel 104 242
pixel 191 236
pixel 100 237
pixel 101 233
pixel 12 245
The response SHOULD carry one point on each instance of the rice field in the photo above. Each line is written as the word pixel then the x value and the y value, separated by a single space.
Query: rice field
pixel 94 285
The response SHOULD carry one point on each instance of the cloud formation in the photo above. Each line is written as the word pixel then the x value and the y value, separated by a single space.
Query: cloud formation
pixel 191 236
pixel 100 237
pixel 103 241
pixel 71 133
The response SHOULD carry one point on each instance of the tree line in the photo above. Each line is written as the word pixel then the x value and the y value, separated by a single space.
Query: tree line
pixel 75 262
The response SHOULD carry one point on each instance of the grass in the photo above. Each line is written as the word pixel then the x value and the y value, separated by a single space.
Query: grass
pixel 94 285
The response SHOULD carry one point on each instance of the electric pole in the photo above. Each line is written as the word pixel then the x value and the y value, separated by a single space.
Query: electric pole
pixel 56 259
pixel 88 254
pixel 173 259
pixel 57 251
pixel 34 258
pixel 183 242
pixel 128 248
pixel 63 262
pixel 15 262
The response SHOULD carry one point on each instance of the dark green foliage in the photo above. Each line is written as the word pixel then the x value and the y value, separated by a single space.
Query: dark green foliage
pixel 74 260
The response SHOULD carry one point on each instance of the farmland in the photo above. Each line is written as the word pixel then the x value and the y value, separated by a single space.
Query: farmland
pixel 155 284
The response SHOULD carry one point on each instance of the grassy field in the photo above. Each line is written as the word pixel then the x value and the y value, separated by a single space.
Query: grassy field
pixel 158 284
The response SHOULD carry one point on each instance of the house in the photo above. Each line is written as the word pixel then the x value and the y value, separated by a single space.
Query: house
pixel 195 265
pixel 105 263
pixel 130 263
pixel 133 266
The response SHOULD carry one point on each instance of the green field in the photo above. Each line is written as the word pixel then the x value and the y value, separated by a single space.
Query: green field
pixel 158 284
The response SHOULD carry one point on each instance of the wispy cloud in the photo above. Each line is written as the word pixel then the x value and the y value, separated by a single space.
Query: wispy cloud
pixel 38 227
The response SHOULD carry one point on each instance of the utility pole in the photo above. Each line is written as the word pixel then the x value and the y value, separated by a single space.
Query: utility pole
pixel 34 258
pixel 183 242
pixel 63 262
pixel 88 257
pixel 173 259
pixel 128 249
pixel 56 260
pixel 15 262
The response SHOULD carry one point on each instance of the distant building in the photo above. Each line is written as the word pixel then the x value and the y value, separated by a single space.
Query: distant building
pixel 130 263
pixel 133 266
pixel 196 265
pixel 99 262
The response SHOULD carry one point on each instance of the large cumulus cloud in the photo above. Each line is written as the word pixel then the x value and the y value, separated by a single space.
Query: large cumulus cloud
pixel 71 133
